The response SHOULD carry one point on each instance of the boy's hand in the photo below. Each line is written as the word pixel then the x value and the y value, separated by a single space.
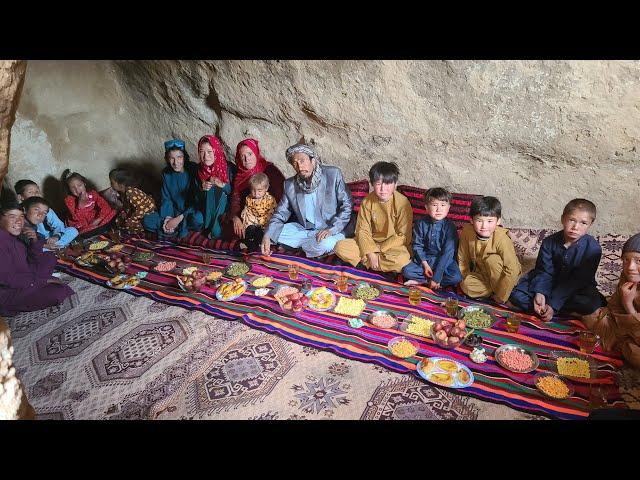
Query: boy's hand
pixel 51 243
pixel 547 313
pixel 539 303
pixel 218 183
pixel 374 261
pixel 30 233
pixel 206 186
pixel 427 269
pixel 627 294
pixel 433 285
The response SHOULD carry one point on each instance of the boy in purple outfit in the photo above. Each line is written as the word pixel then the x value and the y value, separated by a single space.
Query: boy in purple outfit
pixel 26 283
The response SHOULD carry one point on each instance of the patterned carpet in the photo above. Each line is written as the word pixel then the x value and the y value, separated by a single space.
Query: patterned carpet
pixel 105 354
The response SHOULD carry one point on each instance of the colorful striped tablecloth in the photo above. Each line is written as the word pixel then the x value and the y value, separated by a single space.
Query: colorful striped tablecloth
pixel 331 331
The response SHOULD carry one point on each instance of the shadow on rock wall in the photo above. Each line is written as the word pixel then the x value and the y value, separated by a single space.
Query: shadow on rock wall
pixel 54 191
pixel 7 195
pixel 147 172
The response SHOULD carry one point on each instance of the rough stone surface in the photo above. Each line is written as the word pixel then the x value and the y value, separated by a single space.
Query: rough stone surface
pixel 13 401
pixel 533 133
pixel 11 81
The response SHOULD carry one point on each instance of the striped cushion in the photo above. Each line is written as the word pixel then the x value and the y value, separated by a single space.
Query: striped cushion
pixel 359 190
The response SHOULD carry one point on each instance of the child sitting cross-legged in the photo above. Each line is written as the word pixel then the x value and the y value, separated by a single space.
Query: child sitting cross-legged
pixel 56 233
pixel 259 206
pixel 88 211
pixel 435 241
pixel 486 256
pixel 135 203
pixel 563 279
pixel 383 229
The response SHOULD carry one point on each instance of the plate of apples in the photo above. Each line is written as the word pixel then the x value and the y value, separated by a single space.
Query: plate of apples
pixel 449 333
pixel 291 299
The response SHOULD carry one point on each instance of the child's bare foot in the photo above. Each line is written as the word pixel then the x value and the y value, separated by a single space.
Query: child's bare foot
pixel 411 282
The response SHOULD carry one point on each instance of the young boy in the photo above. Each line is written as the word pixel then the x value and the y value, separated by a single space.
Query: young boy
pixel 52 228
pixel 563 279
pixel 35 212
pixel 486 256
pixel 259 206
pixel 435 241
pixel 383 228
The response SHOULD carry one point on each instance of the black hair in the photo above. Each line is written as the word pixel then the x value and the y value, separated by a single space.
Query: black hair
pixel 580 204
pixel 67 176
pixel 8 206
pixel 184 152
pixel 31 201
pixel 22 184
pixel 388 172
pixel 437 193
pixel 123 176
pixel 486 207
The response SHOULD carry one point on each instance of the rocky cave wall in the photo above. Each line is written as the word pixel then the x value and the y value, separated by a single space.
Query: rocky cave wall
pixel 533 133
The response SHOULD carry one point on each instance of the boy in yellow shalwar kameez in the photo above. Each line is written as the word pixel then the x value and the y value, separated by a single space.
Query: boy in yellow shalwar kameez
pixel 486 256
pixel 383 230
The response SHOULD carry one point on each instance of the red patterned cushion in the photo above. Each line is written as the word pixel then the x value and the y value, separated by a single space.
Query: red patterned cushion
pixel 359 190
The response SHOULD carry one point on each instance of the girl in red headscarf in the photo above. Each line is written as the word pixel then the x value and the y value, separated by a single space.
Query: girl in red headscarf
pixel 215 177
pixel 250 161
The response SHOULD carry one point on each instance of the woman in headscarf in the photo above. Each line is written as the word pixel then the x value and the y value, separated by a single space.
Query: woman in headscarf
pixel 618 324
pixel 177 215
pixel 250 161
pixel 215 177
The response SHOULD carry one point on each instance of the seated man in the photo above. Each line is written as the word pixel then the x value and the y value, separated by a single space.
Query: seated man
pixel 26 283
pixel 318 200
pixel 383 229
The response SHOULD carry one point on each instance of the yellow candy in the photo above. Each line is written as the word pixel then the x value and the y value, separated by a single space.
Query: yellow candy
pixel 403 349
pixel 574 367
pixel 349 306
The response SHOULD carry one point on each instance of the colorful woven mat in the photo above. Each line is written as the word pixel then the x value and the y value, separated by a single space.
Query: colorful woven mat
pixel 331 331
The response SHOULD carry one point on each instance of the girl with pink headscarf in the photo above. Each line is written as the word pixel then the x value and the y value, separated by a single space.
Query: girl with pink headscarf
pixel 215 177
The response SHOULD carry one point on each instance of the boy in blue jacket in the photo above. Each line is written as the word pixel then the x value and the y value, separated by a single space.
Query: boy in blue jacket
pixel 434 245
pixel 563 280
pixel 56 233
